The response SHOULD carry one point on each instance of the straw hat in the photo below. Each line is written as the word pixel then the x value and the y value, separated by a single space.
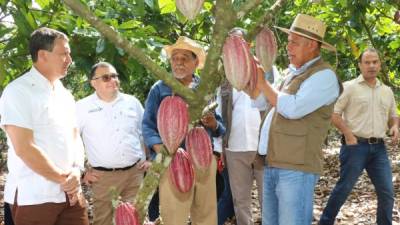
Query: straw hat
pixel 309 27
pixel 187 44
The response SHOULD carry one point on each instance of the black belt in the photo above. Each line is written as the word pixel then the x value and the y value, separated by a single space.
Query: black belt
pixel 115 169
pixel 371 140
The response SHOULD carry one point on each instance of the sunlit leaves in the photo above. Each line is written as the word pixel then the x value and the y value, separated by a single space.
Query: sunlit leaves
pixel 167 6
pixel 43 3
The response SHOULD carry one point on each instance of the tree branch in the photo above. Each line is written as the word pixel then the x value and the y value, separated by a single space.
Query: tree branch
pixel 135 52
pixel 265 19
pixel 247 7
pixel 225 18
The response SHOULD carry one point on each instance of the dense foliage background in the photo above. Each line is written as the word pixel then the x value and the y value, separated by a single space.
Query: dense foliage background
pixel 150 24
pixel 353 25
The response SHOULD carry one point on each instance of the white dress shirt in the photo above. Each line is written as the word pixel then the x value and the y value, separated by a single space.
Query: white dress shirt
pixel 31 102
pixel 245 124
pixel 111 131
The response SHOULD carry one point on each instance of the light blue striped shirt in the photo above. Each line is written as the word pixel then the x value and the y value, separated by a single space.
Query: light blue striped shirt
pixel 318 90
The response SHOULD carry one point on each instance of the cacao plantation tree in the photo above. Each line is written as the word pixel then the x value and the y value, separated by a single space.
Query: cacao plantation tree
pixel 131 33
pixel 224 15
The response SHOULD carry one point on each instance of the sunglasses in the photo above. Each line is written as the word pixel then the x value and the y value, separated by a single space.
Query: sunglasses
pixel 107 77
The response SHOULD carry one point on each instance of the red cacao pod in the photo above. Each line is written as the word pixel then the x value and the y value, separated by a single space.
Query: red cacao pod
pixel 189 8
pixel 266 48
pixel 198 144
pixel 397 17
pixel 237 61
pixel 172 122
pixel 253 79
pixel 126 214
pixel 181 173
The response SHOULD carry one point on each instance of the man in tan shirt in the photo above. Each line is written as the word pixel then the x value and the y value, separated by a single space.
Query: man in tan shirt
pixel 363 113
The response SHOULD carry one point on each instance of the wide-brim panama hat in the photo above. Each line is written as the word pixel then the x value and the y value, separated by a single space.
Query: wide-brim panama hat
pixel 309 27
pixel 187 44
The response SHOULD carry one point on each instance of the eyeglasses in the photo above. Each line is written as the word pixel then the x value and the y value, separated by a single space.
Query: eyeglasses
pixel 107 77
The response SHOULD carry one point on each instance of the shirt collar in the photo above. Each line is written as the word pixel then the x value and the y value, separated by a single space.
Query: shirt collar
pixel 195 82
pixel 303 68
pixel 101 102
pixel 40 80
pixel 360 79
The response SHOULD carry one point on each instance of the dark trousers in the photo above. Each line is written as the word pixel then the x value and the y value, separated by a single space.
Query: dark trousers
pixel 353 160
pixel 154 207
pixel 51 214
pixel 7 214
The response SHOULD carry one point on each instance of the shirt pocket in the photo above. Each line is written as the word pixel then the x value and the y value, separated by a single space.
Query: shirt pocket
pixel 384 108
pixel 42 116
pixel 130 120
pixel 360 105
pixel 292 135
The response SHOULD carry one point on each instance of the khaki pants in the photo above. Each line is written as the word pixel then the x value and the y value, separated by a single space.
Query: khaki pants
pixel 126 183
pixel 200 202
pixel 243 168
pixel 51 213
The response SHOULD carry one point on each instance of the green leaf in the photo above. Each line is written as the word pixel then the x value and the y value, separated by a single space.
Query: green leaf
pixel 140 8
pixel 42 3
pixel 395 44
pixel 167 6
pixel 150 3
pixel 129 24
pixel 208 6
pixel 3 72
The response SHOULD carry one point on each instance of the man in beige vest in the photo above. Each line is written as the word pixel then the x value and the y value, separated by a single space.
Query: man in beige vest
pixel 368 107
pixel 293 132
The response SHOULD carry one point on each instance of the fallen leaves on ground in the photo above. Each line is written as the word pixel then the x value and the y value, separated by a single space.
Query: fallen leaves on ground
pixel 360 207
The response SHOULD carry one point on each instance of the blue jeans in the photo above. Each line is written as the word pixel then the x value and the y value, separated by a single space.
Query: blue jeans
pixel 288 197
pixel 353 160
pixel 225 202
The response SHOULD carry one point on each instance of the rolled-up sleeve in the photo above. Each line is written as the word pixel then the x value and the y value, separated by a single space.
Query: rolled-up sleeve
pixel 320 89
pixel 393 107
pixel 343 100
pixel 220 127
pixel 149 123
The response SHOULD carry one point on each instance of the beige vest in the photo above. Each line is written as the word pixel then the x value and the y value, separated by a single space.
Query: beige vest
pixel 296 144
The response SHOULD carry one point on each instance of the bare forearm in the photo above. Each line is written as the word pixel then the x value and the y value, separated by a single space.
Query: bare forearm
pixel 79 151
pixel 340 124
pixel 40 164
pixel 270 93
pixel 157 148
pixel 394 122
pixel 31 155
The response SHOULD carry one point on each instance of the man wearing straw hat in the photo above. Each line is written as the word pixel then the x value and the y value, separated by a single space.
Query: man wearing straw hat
pixel 200 202
pixel 294 130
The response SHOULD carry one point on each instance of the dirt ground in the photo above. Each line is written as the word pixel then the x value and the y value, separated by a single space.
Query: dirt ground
pixel 360 207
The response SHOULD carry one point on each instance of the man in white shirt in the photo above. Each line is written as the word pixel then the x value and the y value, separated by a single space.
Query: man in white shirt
pixel 110 126
pixel 240 143
pixel 45 150
pixel 240 146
